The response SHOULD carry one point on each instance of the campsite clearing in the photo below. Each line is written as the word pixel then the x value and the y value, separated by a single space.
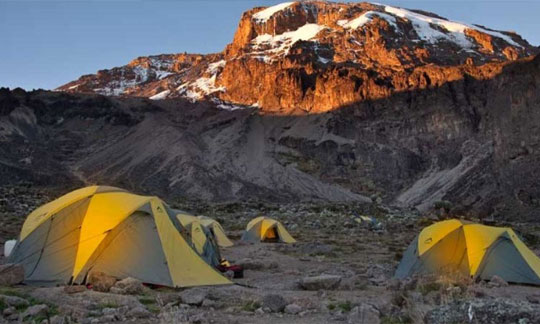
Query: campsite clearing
pixel 330 243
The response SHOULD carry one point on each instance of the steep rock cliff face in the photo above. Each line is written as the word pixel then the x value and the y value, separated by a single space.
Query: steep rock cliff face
pixel 313 57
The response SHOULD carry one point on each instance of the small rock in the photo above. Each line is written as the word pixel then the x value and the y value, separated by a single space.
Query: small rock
pixel 232 310
pixel 109 311
pixel 107 319
pixel 497 281
pixel 14 301
pixel 198 318
pixel 477 291
pixel 95 313
pixel 74 289
pixel 13 317
pixel 259 311
pixel 416 297
pixel 409 283
pixel 276 303
pixel 208 303
pixel 393 284
pixel 164 299
pixel 100 281
pixel 138 312
pixel 36 310
pixel 193 296
pixel 124 309
pixel 128 286
pixel 229 274
pixel 326 282
pixel 57 319
pixel 533 299
pixel 364 314
pixel 293 309
pixel 11 274
pixel 378 281
pixel 9 311
pixel 433 297
pixel 339 316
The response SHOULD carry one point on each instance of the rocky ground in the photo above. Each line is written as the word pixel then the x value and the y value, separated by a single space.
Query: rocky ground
pixel 340 271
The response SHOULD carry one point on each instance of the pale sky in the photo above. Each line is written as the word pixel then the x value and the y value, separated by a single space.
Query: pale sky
pixel 44 44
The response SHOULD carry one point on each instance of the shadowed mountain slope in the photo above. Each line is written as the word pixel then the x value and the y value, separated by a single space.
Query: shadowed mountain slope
pixel 472 142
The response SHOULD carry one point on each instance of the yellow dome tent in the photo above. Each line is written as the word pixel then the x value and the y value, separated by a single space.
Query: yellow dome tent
pixel 475 250
pixel 266 229
pixel 216 229
pixel 202 239
pixel 107 229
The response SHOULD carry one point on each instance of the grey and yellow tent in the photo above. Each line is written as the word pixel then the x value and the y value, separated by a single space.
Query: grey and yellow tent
pixel 474 250
pixel 202 240
pixel 110 230
pixel 264 229
pixel 216 229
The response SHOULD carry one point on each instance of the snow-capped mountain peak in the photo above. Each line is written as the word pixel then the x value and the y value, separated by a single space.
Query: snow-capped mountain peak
pixel 316 55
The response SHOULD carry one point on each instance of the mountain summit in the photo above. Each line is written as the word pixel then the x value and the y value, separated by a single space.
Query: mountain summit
pixel 317 56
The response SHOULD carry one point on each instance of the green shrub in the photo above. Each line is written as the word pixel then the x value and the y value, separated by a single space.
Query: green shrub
pixel 345 306
pixel 427 287
pixel 251 306
pixel 445 204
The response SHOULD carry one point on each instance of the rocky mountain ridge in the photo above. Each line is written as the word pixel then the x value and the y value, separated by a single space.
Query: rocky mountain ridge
pixel 472 143
pixel 317 56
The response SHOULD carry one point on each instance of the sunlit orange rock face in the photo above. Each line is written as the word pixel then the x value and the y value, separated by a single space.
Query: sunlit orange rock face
pixel 312 57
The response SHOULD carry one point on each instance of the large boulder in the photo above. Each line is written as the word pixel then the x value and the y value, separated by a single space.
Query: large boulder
pixel 497 282
pixel 293 309
pixel 364 314
pixel 276 303
pixel 101 281
pixel 11 274
pixel 322 282
pixel 128 286
pixel 74 289
pixel 35 311
pixel 193 296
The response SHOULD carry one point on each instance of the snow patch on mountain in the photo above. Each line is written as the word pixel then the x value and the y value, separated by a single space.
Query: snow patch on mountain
pixel 214 68
pixel 431 29
pixel 228 105
pixel 199 88
pixel 365 18
pixel 161 95
pixel 263 15
pixel 280 44
pixel 162 74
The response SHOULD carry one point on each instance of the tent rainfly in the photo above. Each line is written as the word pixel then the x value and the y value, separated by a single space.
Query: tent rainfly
pixel 216 229
pixel 107 229
pixel 475 250
pixel 264 229
pixel 200 238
